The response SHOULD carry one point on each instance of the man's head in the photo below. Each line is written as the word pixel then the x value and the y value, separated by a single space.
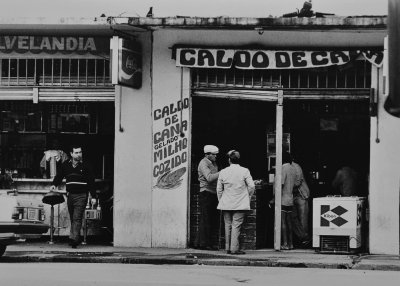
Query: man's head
pixel 211 151
pixel 76 152
pixel 286 158
pixel 234 157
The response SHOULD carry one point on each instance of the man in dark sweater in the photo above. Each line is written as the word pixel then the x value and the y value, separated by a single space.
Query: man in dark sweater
pixel 79 181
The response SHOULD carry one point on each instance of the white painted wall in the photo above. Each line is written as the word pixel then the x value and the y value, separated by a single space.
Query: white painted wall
pixel 132 171
pixel 170 205
pixel 384 178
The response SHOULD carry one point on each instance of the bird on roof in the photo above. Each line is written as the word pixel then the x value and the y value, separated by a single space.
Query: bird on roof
pixel 306 11
pixel 150 13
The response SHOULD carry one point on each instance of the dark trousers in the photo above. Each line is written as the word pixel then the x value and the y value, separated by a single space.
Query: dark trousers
pixel 300 217
pixel 76 208
pixel 208 218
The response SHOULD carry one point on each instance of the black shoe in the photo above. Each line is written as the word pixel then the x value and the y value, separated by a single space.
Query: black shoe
pixel 239 252
pixel 74 244
pixel 205 248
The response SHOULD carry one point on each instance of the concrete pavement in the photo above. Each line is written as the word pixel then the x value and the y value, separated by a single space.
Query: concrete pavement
pixel 305 258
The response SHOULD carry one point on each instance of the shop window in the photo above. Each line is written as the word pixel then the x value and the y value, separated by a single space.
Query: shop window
pixel 54 72
pixel 356 74
pixel 72 118
pixel 28 129
pixel 20 118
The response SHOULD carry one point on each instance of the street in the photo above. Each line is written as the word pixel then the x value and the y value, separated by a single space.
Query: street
pixel 59 274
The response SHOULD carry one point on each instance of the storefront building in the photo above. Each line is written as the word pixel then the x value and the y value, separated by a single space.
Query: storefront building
pixel 196 96
pixel 312 85
pixel 55 90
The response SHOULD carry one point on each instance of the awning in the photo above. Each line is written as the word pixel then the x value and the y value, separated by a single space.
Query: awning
pixel 57 94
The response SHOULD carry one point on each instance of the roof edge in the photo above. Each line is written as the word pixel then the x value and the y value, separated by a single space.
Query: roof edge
pixel 370 22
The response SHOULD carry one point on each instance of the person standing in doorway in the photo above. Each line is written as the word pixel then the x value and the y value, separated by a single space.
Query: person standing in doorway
pixel 301 193
pixel 234 190
pixel 207 175
pixel 288 183
pixel 345 181
pixel 79 182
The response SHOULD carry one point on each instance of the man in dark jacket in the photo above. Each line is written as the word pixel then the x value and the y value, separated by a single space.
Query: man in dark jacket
pixel 79 181
pixel 208 176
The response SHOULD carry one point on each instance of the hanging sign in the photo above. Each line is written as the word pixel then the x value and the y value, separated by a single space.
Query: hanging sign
pixel 259 59
pixel 126 62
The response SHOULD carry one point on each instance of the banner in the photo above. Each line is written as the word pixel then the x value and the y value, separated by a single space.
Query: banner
pixel 43 46
pixel 264 59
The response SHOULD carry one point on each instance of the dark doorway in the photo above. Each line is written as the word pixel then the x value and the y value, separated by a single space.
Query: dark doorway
pixel 241 125
pixel 325 136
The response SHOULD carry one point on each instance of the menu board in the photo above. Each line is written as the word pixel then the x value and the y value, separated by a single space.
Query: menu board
pixel 21 122
pixel 72 123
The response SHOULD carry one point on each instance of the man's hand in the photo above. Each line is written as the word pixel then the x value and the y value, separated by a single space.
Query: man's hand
pixel 52 188
pixel 271 203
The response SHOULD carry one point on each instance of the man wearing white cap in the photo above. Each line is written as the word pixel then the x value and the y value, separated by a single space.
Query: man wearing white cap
pixel 208 176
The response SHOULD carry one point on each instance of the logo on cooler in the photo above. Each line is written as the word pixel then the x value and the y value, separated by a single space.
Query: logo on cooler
pixel 329 215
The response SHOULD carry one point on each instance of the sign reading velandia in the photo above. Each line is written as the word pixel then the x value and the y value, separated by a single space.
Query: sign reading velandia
pixel 53 45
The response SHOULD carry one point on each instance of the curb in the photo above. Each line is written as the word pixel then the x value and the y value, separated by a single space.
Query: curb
pixel 66 258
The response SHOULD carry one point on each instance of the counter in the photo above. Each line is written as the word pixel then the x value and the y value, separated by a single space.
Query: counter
pixel 35 188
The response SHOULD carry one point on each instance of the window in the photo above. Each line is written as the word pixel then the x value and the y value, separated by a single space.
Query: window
pixel 54 72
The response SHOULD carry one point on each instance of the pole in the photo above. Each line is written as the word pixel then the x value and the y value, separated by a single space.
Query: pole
pixel 278 170
pixel 51 224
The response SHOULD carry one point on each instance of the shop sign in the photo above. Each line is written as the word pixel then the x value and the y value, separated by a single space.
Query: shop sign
pixel 126 62
pixel 25 46
pixel 170 144
pixel 263 59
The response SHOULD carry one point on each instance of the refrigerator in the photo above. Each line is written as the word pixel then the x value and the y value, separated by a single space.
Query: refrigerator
pixel 338 224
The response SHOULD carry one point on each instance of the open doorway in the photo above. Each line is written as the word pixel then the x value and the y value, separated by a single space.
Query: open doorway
pixel 242 125
pixel 326 136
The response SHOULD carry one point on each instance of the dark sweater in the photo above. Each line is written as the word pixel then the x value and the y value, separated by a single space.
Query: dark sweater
pixel 78 180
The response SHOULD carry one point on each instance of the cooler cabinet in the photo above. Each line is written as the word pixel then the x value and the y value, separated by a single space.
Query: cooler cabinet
pixel 338 224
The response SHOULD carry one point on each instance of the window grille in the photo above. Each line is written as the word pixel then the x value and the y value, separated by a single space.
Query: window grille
pixel 55 72
pixel 354 75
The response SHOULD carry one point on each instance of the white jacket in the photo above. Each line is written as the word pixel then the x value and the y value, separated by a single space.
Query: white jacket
pixel 234 188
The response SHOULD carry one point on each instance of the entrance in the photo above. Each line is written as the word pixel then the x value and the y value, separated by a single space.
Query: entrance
pixel 241 125
pixel 323 135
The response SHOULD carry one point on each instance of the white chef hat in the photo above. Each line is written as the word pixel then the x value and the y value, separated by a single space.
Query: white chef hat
pixel 211 149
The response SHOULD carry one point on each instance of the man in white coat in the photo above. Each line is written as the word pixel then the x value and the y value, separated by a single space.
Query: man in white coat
pixel 234 190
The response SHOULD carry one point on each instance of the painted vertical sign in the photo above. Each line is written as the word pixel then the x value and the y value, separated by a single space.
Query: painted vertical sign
pixel 170 144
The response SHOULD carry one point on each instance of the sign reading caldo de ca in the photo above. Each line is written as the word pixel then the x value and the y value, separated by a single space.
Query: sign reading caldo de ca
pixel 267 59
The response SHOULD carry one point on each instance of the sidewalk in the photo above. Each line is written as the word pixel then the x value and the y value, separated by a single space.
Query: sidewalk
pixel 61 252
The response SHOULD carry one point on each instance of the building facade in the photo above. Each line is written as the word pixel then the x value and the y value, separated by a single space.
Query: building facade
pixel 312 85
